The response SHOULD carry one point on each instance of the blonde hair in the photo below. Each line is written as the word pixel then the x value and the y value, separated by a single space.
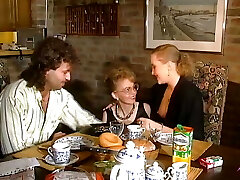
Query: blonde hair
pixel 184 65
pixel 117 74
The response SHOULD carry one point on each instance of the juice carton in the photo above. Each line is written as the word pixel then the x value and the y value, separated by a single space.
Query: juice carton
pixel 182 144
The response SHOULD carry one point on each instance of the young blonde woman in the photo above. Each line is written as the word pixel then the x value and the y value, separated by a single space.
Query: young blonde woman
pixel 123 89
pixel 175 99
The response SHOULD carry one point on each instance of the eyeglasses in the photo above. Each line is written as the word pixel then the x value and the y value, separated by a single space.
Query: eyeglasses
pixel 129 90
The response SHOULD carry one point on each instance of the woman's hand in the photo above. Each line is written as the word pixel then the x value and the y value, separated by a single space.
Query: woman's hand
pixel 148 123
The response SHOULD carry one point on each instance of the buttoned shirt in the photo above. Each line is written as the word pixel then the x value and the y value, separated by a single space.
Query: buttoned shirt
pixel 23 121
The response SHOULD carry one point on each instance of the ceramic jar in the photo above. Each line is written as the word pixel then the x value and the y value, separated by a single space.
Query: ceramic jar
pixel 154 172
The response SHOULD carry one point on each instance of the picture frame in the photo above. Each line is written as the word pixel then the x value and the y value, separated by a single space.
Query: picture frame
pixel 191 25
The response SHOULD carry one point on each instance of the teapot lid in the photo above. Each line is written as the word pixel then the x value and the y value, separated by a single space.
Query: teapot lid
pixel 130 153
pixel 155 169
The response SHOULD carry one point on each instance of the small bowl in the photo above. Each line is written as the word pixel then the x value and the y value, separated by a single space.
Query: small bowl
pixel 103 157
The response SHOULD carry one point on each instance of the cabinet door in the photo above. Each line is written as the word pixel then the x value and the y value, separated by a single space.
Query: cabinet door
pixel 7 15
pixel 23 13
pixel 15 14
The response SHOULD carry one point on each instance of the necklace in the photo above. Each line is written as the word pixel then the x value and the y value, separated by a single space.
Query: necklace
pixel 127 116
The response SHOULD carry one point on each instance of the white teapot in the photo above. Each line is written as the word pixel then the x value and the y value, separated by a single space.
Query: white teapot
pixel 130 164
pixel 154 172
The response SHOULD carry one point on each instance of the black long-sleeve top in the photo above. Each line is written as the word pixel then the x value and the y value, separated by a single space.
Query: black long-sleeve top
pixel 185 106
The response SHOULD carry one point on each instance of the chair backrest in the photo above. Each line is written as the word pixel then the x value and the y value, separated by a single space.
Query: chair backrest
pixel 212 82
pixel 4 80
pixel 4 75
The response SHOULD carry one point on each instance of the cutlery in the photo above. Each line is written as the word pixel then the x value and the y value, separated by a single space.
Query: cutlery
pixel 88 148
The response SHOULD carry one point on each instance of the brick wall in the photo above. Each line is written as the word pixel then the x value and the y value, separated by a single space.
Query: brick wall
pixel 97 54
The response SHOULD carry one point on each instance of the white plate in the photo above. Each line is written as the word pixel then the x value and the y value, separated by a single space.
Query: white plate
pixel 75 141
pixel 73 159
pixel 165 138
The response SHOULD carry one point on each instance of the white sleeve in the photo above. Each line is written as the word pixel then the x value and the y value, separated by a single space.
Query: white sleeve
pixel 75 116
pixel 12 128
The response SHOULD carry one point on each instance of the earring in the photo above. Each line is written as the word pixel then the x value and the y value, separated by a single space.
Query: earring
pixel 114 96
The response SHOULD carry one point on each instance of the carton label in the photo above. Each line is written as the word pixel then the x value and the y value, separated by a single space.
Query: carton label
pixel 181 139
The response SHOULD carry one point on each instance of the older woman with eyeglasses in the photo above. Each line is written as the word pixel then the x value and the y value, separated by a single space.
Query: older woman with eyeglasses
pixel 122 86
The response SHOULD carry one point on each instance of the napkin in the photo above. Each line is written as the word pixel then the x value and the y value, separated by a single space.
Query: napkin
pixel 18 165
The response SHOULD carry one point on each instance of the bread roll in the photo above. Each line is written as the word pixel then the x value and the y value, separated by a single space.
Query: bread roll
pixel 109 140
pixel 116 148
pixel 148 145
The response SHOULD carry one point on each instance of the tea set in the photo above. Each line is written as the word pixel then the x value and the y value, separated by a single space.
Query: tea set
pixel 131 165
pixel 130 161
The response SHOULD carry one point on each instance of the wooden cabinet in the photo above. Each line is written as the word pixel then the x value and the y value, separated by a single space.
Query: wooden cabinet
pixel 15 14
pixel 92 20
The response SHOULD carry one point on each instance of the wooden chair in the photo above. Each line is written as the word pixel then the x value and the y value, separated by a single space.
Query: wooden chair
pixel 212 82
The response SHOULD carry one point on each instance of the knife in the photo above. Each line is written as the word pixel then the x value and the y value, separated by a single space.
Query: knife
pixel 81 147
pixel 95 149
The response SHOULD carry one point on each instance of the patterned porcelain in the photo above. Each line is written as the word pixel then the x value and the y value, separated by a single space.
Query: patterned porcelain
pixel 164 138
pixel 130 165
pixel 60 153
pixel 154 172
pixel 73 159
pixel 178 171
pixel 75 141
pixel 135 131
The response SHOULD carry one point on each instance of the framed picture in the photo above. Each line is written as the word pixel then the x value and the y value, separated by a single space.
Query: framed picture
pixel 191 25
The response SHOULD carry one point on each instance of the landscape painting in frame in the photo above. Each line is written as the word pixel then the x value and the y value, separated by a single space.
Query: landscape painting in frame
pixel 193 25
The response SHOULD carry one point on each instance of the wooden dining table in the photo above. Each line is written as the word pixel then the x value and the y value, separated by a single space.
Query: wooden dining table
pixel 229 170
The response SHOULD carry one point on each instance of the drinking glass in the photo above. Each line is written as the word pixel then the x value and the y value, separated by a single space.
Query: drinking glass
pixel 116 128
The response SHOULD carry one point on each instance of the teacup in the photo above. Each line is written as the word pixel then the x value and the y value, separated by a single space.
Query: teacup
pixel 60 153
pixel 135 131
pixel 178 171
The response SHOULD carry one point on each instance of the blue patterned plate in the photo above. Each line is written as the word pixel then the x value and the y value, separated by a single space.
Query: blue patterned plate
pixel 75 141
pixel 73 159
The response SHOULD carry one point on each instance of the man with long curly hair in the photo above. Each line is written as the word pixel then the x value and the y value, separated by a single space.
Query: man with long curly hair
pixel 32 107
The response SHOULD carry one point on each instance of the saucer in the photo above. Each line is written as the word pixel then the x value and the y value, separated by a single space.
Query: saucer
pixel 75 141
pixel 165 138
pixel 73 158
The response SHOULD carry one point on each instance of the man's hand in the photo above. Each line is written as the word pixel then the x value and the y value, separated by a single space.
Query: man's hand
pixel 57 136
